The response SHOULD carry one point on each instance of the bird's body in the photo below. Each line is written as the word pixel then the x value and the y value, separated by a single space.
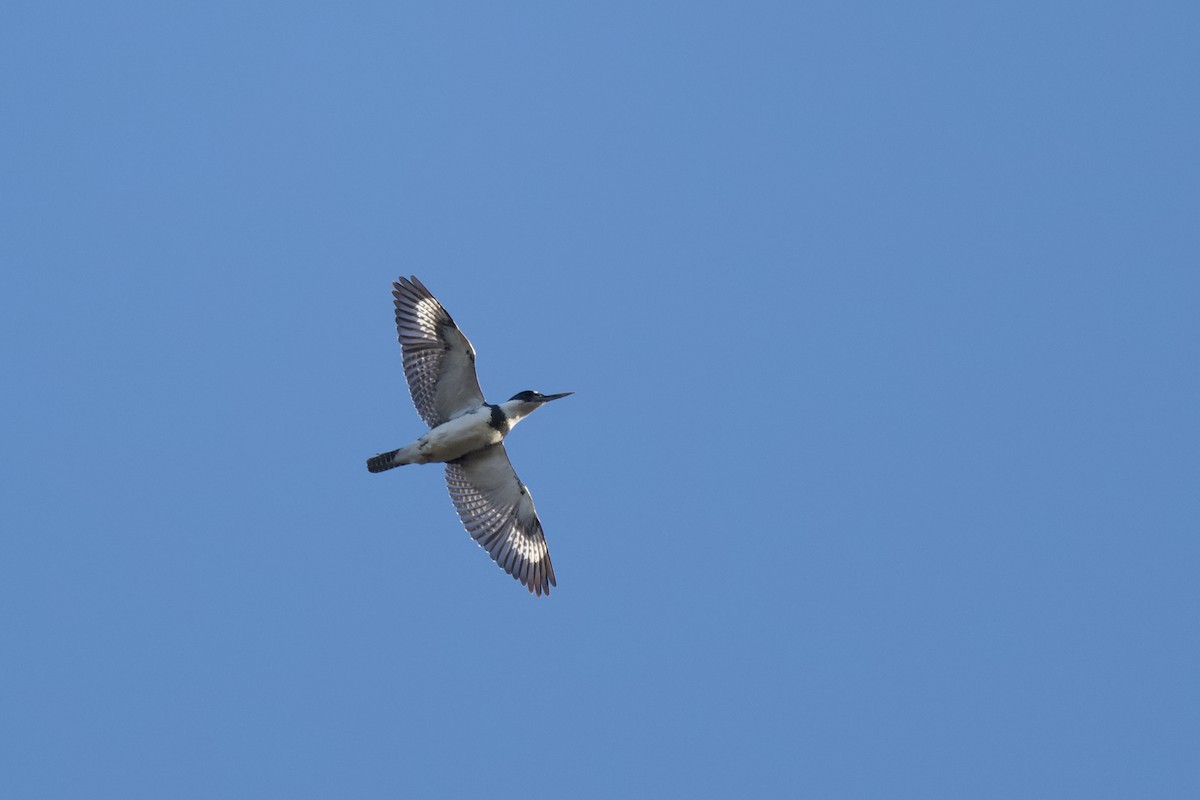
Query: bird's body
pixel 451 440
pixel 473 430
pixel 467 434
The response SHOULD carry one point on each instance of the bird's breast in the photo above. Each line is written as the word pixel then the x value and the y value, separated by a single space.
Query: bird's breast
pixel 465 434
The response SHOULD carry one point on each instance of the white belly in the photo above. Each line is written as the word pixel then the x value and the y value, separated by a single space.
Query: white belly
pixel 456 438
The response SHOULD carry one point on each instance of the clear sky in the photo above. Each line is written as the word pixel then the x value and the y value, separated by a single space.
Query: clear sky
pixel 881 478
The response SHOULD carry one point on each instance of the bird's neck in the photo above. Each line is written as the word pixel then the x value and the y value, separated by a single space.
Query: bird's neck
pixel 515 411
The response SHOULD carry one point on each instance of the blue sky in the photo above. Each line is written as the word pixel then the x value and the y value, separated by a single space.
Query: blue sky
pixel 881 475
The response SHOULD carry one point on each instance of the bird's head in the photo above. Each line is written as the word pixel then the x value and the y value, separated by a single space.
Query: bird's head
pixel 537 398
pixel 522 404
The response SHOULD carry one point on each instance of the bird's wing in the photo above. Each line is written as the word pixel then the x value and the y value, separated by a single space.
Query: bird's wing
pixel 439 362
pixel 498 512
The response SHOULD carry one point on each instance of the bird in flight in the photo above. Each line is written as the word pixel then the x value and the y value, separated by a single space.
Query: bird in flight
pixel 467 434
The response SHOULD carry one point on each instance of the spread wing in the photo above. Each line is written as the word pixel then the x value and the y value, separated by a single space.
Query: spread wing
pixel 439 362
pixel 498 512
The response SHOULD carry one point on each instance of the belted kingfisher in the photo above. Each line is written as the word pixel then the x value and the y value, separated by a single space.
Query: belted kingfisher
pixel 467 434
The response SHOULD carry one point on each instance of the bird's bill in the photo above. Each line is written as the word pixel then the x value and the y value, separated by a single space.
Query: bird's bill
pixel 548 397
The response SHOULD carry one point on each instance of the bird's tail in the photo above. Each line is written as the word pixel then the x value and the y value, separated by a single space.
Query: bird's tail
pixel 385 461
